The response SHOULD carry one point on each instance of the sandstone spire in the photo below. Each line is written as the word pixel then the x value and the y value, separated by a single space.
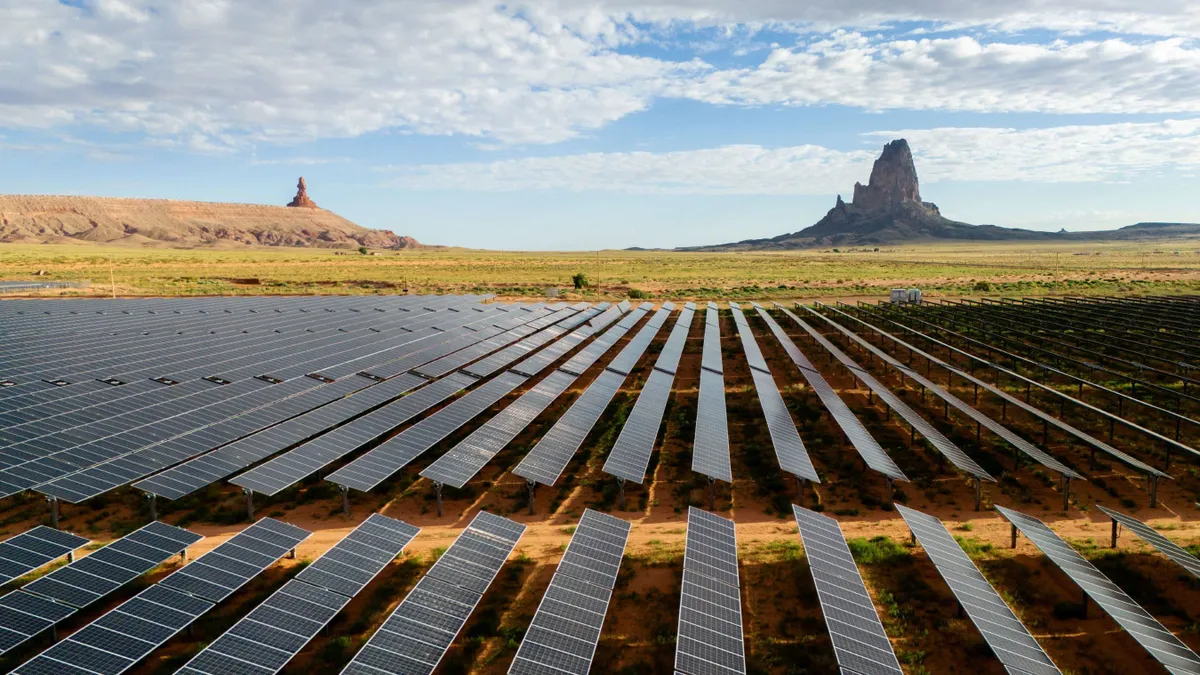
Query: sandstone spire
pixel 893 180
pixel 301 198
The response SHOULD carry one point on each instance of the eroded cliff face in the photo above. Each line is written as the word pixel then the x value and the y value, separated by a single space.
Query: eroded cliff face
pixel 37 218
pixel 893 180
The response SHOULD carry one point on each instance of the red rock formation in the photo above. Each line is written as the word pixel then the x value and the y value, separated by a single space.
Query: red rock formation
pixel 301 199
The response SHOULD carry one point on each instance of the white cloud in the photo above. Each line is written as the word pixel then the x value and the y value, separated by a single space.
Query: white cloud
pixel 221 76
pixel 964 74
pixel 1099 153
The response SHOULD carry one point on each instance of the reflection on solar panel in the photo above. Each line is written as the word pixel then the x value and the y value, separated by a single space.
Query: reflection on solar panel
pixel 710 641
pixel 631 453
pixel 30 550
pixel 267 638
pixel 859 642
pixel 420 630
pixel 1164 546
pixel 983 420
pixel 1003 631
pixel 860 438
pixel 549 457
pixel 789 449
pixel 287 469
pixel 1148 632
pixel 116 641
pixel 49 599
pixel 710 451
pixel 565 629
pixel 939 441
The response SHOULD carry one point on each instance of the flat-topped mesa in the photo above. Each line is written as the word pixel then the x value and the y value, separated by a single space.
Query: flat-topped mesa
pixel 301 199
pixel 893 181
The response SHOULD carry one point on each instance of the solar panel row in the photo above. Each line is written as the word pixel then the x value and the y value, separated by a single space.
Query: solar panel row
pixel 415 637
pixel 1049 419
pixel 1142 627
pixel 789 449
pixel 709 640
pixel 566 627
pixel 25 552
pixel 710 450
pixel 631 453
pixel 116 641
pixel 859 641
pixel 1175 552
pixel 1001 628
pixel 983 420
pixel 936 438
pixel 272 634
pixel 862 440
pixel 549 457
pixel 469 456
pixel 44 602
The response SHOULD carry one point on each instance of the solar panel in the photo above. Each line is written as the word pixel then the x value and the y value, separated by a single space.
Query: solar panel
pixel 939 441
pixel 25 552
pixel 859 642
pixel 60 593
pixel 469 456
pixel 566 627
pixel 862 440
pixel 186 478
pixel 1148 632
pixel 377 465
pixel 789 449
pixel 272 634
pixel 1005 634
pixel 709 640
pixel 635 444
pixel 1047 418
pixel 116 641
pixel 1164 546
pixel 415 637
pixel 294 465
pixel 710 449
pixel 1035 453
pixel 549 457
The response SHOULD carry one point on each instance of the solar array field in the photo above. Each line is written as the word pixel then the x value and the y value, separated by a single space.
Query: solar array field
pixel 570 487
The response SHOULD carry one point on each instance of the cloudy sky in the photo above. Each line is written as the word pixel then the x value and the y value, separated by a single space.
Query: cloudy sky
pixel 570 124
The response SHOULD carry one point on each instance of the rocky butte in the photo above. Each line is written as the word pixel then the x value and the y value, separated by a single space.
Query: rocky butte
pixel 889 210
pixel 180 224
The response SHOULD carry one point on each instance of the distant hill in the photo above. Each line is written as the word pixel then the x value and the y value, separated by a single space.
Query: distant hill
pixel 169 223
pixel 889 210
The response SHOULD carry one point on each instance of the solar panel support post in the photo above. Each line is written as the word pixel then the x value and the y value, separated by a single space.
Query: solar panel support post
pixel 1066 490
pixel 621 493
pixel 532 487
pixel 53 501
pixel 249 503
pixel 1013 544
pixel 437 494
pixel 712 494
pixel 978 493
pixel 1153 492
pixel 1115 532
pixel 346 501
pixel 152 499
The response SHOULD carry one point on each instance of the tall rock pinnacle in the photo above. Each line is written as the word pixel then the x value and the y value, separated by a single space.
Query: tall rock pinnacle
pixel 301 199
pixel 893 181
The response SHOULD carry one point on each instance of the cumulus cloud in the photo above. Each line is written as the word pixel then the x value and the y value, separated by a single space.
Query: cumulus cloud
pixel 965 74
pixel 1096 153
pixel 222 76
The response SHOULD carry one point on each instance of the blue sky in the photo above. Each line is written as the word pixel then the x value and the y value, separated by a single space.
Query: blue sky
pixel 582 125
